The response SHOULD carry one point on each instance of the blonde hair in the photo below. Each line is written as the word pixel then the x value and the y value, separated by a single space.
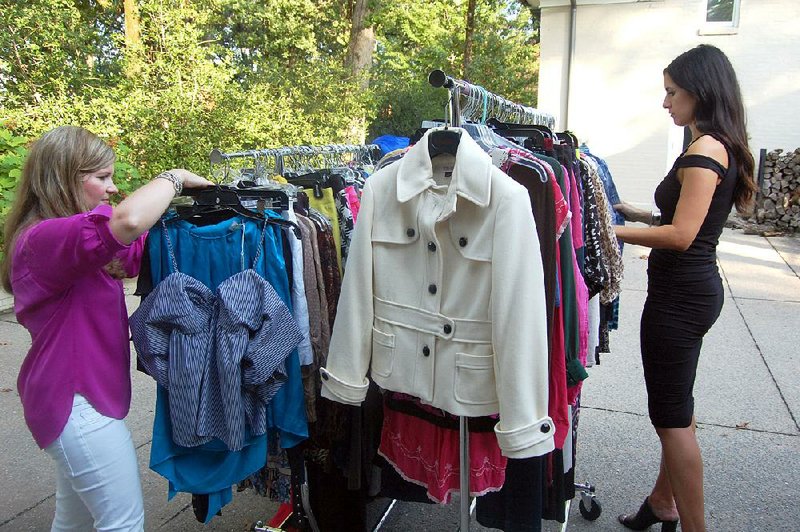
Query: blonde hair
pixel 51 182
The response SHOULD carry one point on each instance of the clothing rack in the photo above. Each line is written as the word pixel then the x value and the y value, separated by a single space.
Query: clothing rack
pixel 438 78
pixel 299 157
pixel 285 160
pixel 479 104
pixel 469 102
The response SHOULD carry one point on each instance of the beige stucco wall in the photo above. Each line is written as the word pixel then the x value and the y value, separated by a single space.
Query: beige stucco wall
pixel 617 85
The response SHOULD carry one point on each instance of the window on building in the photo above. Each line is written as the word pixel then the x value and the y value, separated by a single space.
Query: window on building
pixel 722 17
pixel 723 12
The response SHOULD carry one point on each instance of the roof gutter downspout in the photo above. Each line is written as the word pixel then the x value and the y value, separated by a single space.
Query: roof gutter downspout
pixel 570 56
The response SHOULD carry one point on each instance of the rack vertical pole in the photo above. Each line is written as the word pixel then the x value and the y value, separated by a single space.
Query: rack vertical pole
pixel 463 455
pixel 438 78
pixel 463 429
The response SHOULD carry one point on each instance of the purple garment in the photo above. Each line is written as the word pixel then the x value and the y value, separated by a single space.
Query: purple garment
pixel 76 315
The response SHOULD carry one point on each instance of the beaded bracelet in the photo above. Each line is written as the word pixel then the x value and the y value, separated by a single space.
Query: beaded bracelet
pixel 175 180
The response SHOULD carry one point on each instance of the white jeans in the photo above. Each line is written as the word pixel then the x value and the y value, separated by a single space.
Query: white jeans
pixel 98 484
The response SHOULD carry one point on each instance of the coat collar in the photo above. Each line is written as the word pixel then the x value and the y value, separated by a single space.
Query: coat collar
pixel 471 175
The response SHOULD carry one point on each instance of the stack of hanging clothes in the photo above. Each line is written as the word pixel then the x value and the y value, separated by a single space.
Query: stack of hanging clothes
pixel 226 297
pixel 217 334
pixel 582 270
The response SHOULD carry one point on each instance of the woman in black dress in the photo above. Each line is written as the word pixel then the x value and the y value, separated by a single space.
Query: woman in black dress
pixel 684 291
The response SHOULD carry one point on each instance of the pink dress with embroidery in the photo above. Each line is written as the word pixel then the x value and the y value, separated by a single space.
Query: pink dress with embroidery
pixel 428 455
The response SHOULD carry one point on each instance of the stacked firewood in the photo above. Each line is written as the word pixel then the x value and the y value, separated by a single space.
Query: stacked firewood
pixel 779 201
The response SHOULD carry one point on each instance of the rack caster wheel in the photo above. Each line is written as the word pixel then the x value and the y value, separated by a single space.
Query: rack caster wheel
pixel 594 510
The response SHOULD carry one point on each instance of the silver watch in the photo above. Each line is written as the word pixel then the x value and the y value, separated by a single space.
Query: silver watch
pixel 655 218
pixel 176 181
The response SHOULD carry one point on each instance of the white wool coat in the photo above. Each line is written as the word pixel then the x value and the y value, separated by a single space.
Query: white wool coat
pixel 443 296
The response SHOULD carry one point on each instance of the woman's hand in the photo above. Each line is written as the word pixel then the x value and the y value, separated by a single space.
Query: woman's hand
pixel 625 210
pixel 191 180
pixel 633 214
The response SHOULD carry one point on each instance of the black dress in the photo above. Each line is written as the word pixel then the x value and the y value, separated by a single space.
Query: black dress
pixel 684 298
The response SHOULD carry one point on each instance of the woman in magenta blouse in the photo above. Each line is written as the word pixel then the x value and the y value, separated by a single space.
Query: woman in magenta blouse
pixel 67 251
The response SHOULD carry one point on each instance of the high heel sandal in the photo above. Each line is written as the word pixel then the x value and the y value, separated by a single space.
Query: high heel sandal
pixel 645 518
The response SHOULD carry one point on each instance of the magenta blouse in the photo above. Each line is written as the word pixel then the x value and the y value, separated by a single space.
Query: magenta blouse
pixel 76 315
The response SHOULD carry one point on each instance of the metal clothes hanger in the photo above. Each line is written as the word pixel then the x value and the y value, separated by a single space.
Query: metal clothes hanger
pixel 446 140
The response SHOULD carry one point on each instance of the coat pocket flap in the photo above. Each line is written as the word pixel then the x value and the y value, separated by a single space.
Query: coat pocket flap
pixel 474 380
pixel 395 233
pixel 471 238
pixel 464 360
pixel 382 338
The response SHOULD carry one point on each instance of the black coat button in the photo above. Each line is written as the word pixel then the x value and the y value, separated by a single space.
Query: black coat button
pixel 426 350
pixel 325 376
pixel 431 246
pixel 410 232
pixel 545 428
pixel 447 329
pixel 462 241
pixel 432 288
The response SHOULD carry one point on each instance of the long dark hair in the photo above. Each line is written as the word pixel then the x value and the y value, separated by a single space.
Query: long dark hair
pixel 706 72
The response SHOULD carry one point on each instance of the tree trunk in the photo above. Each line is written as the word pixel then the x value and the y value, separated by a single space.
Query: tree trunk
pixel 468 39
pixel 133 38
pixel 359 59
pixel 132 35
pixel 362 42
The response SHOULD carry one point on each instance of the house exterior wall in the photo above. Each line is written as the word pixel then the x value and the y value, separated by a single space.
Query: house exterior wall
pixel 616 89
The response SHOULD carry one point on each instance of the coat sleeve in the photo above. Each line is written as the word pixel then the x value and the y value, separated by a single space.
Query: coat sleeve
pixel 344 375
pixel 519 332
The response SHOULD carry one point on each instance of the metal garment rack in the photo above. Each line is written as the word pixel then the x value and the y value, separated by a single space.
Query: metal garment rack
pixel 479 104
pixel 438 78
pixel 299 157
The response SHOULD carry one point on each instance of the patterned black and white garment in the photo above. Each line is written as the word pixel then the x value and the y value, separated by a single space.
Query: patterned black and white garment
pixel 346 223
pixel 610 250
pixel 595 272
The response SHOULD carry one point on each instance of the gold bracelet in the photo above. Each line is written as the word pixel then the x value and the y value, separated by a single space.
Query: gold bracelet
pixel 175 180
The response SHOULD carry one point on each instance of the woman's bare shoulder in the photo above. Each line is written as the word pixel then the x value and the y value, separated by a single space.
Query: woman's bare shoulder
pixel 709 146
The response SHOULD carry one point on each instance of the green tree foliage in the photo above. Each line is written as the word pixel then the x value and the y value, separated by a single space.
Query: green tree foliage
pixel 506 55
pixel 416 37
pixel 12 154
pixel 55 48
pixel 211 73
pixel 238 74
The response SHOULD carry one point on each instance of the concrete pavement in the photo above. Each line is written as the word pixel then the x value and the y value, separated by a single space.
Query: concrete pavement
pixel 747 406
pixel 747 399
